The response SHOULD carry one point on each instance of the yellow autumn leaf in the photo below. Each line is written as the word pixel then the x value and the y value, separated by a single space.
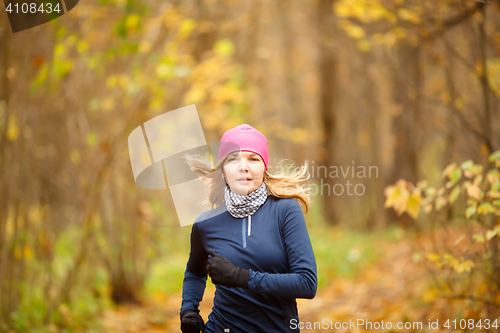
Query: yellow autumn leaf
pixel 145 46
pixel 391 17
pixel 123 80
pixel 12 128
pixel 36 213
pixel 409 15
pixel 392 193
pixel 492 233
pixel 299 135
pixel 108 104
pixel 400 32
pixel 474 191
pixel 195 95
pixel 364 45
pixel 156 103
pixel 186 28
pixel 59 50
pixel 445 98
pixel 433 257
pixel 413 205
pixel 355 31
pixel 493 194
pixel 26 252
pixel 132 22
pixel 378 38
pixel 111 82
pixel 224 47
pixel 449 169
pixel 493 176
pixel 342 9
pixel 165 71
pixel 428 208
pixel 74 156
pixel 486 208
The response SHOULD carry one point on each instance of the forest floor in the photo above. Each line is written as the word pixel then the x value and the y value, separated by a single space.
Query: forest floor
pixel 392 289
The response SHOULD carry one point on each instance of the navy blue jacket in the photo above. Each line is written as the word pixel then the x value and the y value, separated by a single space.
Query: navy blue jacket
pixel 276 249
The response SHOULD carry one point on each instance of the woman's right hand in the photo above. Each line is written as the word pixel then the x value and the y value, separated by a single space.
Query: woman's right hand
pixel 191 322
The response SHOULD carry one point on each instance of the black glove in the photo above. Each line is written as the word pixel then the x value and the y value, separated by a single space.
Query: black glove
pixel 223 272
pixel 191 322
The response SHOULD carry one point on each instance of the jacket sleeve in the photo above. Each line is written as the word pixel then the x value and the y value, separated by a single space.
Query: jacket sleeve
pixel 302 280
pixel 195 276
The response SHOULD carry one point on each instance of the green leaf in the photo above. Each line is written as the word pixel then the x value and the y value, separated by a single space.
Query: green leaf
pixel 479 238
pixel 423 184
pixel 61 31
pixel 454 194
pixel 93 104
pixel 430 191
pixel 494 156
pixel 485 208
pixel 493 176
pixel 467 165
pixel 495 186
pixel 455 176
pixel 471 210
pixel 494 172
pixel 440 203
pixel 476 169
pixel 91 139
pixel 40 78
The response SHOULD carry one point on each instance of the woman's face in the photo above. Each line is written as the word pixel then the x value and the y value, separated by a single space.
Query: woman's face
pixel 244 172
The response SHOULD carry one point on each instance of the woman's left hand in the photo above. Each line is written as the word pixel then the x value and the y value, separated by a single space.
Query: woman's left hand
pixel 225 273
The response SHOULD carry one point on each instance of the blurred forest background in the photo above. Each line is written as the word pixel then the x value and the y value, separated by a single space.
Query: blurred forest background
pixel 409 87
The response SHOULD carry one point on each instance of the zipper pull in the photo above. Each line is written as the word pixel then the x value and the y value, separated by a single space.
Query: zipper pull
pixel 249 224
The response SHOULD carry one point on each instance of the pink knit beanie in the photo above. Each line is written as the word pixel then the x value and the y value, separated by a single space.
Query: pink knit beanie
pixel 244 138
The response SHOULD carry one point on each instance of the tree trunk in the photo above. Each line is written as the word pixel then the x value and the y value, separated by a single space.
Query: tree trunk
pixel 327 74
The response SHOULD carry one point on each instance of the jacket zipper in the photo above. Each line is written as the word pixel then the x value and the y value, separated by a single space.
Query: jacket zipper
pixel 249 229
pixel 249 224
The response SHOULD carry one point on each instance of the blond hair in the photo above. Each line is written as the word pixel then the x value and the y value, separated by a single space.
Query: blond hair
pixel 281 185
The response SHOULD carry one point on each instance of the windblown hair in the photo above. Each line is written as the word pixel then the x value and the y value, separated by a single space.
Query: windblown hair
pixel 285 184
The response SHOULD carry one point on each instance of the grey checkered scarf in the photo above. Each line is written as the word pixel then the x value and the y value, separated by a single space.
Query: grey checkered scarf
pixel 239 205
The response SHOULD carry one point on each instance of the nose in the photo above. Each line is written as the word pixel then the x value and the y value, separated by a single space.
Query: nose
pixel 243 165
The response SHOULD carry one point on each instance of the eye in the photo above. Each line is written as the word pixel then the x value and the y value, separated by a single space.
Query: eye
pixel 256 159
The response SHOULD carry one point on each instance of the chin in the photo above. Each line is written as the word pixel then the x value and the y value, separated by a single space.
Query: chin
pixel 243 190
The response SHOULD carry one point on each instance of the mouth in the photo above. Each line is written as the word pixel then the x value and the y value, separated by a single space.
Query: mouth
pixel 244 179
